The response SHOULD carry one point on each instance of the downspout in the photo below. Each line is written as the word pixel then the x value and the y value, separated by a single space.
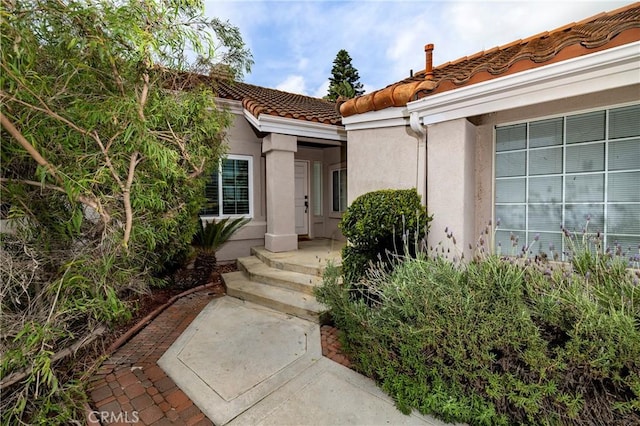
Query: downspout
pixel 421 132
pixel 421 155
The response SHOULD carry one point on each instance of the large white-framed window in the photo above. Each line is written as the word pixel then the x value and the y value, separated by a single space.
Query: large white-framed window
pixel 574 171
pixel 229 192
pixel 338 174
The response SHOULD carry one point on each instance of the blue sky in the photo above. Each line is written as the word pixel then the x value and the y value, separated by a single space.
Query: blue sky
pixel 294 43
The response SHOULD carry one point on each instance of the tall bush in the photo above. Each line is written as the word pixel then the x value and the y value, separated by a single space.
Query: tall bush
pixel 378 223
pixel 500 340
pixel 103 159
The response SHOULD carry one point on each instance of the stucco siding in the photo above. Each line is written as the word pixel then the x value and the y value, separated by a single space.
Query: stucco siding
pixel 384 158
pixel 451 183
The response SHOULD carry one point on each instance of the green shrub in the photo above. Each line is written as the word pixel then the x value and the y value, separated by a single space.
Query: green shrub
pixel 380 222
pixel 499 341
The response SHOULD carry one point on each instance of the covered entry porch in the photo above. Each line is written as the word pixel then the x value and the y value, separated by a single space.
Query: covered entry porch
pixel 305 189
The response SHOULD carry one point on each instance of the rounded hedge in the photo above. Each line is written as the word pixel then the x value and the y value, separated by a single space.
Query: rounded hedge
pixel 389 220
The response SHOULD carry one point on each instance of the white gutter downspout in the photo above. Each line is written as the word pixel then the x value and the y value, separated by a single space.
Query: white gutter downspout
pixel 421 172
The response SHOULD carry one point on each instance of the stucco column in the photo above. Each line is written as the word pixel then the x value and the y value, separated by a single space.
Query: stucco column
pixel 280 191
pixel 451 184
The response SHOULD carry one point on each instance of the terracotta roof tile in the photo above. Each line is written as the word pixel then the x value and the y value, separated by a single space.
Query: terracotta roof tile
pixel 599 32
pixel 261 100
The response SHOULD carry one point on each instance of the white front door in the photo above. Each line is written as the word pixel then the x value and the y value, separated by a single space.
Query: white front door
pixel 302 197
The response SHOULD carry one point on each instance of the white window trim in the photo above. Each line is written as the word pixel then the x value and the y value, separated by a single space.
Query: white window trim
pixel 249 159
pixel 564 173
pixel 333 168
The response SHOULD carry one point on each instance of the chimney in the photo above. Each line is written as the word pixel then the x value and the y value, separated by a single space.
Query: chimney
pixel 428 69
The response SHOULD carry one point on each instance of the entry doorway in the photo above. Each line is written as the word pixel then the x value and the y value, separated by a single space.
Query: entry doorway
pixel 302 196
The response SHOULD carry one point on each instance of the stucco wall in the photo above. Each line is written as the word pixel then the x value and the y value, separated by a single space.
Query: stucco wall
pixel 384 158
pixel 460 156
pixel 242 140
pixel 451 184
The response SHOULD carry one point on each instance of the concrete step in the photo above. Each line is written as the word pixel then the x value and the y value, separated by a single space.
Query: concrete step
pixel 284 300
pixel 310 259
pixel 258 271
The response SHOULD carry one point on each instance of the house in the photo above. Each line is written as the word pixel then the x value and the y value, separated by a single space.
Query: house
pixel 285 169
pixel 538 134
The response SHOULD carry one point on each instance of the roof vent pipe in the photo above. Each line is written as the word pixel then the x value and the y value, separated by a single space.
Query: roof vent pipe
pixel 428 69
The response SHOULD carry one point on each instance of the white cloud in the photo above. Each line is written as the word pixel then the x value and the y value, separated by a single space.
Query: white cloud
pixel 322 90
pixel 293 84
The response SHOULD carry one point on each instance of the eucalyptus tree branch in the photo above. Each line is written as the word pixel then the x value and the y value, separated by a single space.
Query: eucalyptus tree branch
pixel 133 162
pixel 144 95
pixel 21 375
pixel 107 159
pixel 18 136
pixel 87 201
pixel 197 170
pixel 117 77
pixel 45 110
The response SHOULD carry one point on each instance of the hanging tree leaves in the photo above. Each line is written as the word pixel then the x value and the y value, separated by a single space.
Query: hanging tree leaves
pixel 103 157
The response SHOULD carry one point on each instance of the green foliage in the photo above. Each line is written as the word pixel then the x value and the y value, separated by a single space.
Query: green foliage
pixel 103 159
pixel 378 223
pixel 499 340
pixel 213 235
pixel 344 80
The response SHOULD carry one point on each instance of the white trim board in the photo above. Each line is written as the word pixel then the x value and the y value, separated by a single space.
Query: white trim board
pixel 290 126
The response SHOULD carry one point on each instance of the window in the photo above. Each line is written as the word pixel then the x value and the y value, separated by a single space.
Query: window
pixel 569 172
pixel 317 188
pixel 338 190
pixel 229 192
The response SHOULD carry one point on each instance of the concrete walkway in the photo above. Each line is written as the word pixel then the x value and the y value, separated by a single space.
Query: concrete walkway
pixel 299 388
pixel 244 364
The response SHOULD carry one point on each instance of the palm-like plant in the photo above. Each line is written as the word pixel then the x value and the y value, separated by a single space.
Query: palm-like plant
pixel 210 238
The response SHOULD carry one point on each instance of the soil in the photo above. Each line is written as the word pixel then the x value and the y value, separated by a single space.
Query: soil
pixel 179 281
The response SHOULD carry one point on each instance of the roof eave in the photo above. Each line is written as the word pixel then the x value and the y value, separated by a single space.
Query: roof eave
pixel 291 126
pixel 388 117
pixel 608 69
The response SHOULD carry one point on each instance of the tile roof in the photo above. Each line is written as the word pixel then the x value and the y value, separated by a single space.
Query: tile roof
pixel 599 32
pixel 261 100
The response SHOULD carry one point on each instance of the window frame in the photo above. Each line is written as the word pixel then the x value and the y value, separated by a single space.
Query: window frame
pixel 337 168
pixel 238 157
pixel 527 232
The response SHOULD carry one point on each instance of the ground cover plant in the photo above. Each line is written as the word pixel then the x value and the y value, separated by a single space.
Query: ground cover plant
pixel 103 165
pixel 500 340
